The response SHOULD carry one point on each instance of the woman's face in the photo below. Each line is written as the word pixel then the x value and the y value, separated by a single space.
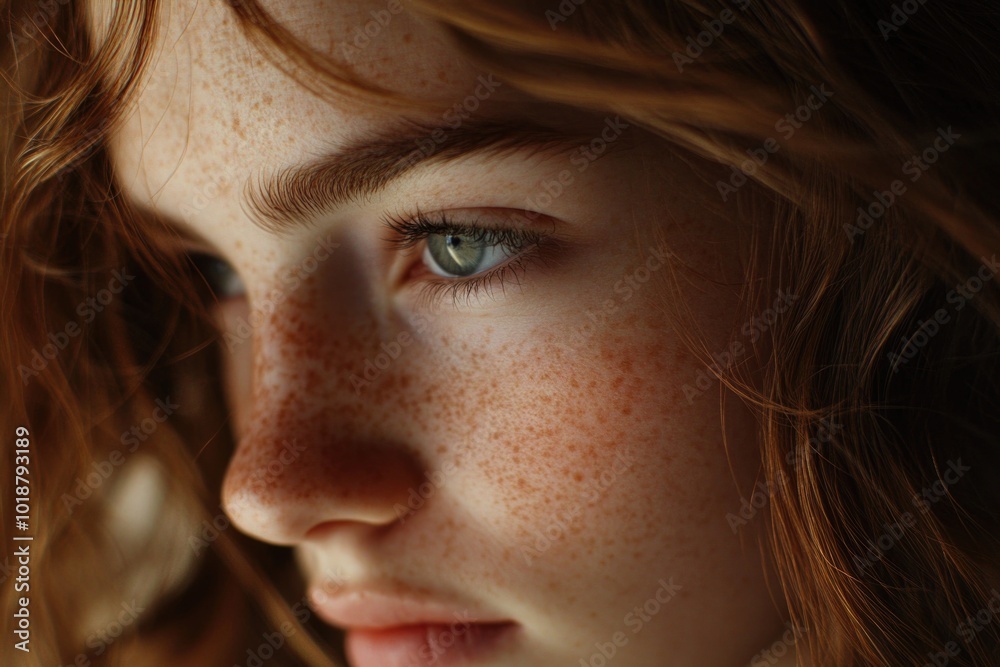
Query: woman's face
pixel 487 447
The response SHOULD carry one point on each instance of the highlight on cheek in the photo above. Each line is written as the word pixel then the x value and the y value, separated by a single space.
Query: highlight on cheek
pixel 369 333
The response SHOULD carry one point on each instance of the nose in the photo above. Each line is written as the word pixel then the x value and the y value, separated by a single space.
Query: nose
pixel 313 452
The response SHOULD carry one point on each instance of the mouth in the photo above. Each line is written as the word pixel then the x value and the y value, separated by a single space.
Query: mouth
pixel 391 631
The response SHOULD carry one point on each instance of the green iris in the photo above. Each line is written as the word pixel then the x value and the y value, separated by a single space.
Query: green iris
pixel 456 255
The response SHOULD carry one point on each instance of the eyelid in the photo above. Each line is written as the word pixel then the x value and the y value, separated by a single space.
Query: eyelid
pixel 413 228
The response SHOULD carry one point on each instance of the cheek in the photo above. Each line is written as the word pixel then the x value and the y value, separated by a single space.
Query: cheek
pixel 592 448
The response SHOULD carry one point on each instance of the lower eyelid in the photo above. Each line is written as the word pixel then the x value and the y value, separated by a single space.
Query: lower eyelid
pixel 496 279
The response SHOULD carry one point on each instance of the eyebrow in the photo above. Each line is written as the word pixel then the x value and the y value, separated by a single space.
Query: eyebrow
pixel 365 166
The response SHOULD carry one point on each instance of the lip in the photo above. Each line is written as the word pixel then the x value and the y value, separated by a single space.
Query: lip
pixel 386 630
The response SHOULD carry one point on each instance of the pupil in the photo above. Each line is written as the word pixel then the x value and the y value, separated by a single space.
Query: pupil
pixel 456 255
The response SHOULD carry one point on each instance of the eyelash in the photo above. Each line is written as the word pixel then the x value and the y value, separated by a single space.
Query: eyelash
pixel 522 245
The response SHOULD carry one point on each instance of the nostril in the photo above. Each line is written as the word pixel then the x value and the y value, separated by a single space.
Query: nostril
pixel 326 528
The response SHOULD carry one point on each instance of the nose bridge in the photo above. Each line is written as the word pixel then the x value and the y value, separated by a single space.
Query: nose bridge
pixel 306 347
pixel 312 450
pixel 318 313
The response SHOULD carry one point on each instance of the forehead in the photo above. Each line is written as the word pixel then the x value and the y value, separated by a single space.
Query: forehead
pixel 212 106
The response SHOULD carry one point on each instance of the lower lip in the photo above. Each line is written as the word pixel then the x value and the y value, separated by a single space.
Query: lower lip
pixel 425 645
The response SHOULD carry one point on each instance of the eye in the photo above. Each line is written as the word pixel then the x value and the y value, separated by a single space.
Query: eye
pixel 474 257
pixel 459 249
pixel 460 256
pixel 219 276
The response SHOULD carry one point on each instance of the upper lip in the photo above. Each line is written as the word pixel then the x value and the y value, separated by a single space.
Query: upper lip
pixel 375 610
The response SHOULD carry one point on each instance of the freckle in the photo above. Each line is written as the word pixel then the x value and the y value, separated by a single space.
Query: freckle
pixel 313 379
pixel 407 38
pixel 630 322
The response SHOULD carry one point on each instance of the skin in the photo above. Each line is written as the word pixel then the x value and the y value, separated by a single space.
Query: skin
pixel 500 397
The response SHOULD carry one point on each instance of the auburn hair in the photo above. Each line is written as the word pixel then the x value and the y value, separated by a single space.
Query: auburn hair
pixel 877 398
